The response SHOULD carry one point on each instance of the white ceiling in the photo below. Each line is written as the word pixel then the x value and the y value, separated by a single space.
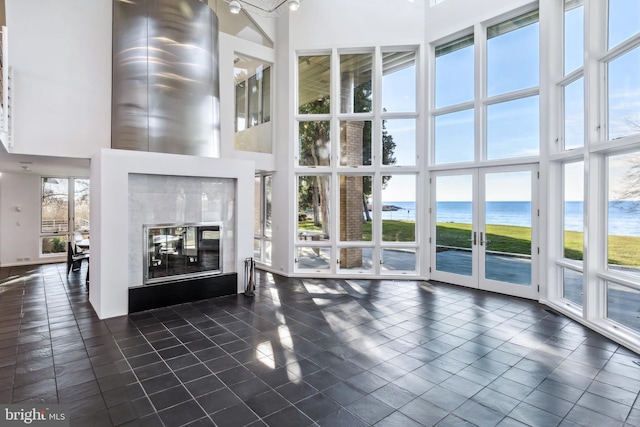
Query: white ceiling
pixel 43 165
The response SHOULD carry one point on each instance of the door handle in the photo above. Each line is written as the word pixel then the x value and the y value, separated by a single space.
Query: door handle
pixel 483 241
pixel 474 240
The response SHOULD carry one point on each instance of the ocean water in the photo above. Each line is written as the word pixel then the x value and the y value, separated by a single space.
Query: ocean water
pixel 623 216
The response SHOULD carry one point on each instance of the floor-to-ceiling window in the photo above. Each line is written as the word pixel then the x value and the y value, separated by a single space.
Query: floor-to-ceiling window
pixel 485 130
pixel 569 168
pixel 357 162
pixel 595 159
pixel 571 261
pixel 64 212
pixel 262 231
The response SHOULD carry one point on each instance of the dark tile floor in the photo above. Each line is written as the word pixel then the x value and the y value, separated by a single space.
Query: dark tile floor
pixel 310 352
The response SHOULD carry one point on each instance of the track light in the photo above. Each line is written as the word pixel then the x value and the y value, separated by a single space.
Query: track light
pixel 294 4
pixel 235 7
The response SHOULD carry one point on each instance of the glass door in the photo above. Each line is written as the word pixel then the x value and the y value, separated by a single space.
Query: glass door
pixel 507 237
pixel 483 228
pixel 453 235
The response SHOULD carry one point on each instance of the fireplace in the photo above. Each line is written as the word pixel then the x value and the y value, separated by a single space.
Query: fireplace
pixel 182 251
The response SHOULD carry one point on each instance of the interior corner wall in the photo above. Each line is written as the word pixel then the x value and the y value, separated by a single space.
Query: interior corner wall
pixel 60 62
pixel 283 180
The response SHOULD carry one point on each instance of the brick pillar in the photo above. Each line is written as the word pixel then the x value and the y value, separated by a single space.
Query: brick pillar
pixel 351 197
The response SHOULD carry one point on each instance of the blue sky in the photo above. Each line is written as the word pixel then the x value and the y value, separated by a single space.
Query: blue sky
pixel 512 128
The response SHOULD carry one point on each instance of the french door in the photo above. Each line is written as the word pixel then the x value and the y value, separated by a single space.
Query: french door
pixel 484 228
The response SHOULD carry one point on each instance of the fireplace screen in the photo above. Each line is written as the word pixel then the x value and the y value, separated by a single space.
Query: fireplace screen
pixel 178 251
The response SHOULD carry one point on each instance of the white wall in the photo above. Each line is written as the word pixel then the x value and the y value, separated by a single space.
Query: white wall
pixel 110 169
pixel 19 231
pixel 452 16
pixel 282 202
pixel 338 23
pixel 60 57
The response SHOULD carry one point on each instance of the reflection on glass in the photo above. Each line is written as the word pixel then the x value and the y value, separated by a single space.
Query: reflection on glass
pixel 355 206
pixel 314 143
pixel 253 102
pixel 267 252
pixel 574 114
pixel 241 100
pixel 314 79
pixel 513 129
pixel 356 259
pixel 573 35
pixel 573 224
pixel 182 250
pixel 454 218
pixel 623 225
pixel 55 205
pixel 399 82
pixel 398 208
pixel 454 137
pixel 508 227
pixel 314 198
pixel 622 305
pixel 454 72
pixel 257 249
pixel 624 20
pixel 268 216
pixel 623 88
pixel 313 258
pixel 513 54
pixel 355 83
pixel 572 286
pixel 355 143
pixel 398 259
pixel 266 95
pixel 399 142
pixel 81 204
pixel 257 207
pixel 253 93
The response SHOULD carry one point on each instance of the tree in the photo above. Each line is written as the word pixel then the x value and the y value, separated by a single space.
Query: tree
pixel 314 150
pixel 362 103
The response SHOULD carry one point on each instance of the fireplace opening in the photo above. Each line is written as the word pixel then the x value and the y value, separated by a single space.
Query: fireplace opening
pixel 177 251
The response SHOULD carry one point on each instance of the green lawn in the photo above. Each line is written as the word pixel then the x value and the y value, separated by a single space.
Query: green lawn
pixel 502 238
pixel 623 250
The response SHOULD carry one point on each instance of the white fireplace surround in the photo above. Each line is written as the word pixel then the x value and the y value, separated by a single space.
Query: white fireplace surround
pixel 170 199
pixel 116 233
